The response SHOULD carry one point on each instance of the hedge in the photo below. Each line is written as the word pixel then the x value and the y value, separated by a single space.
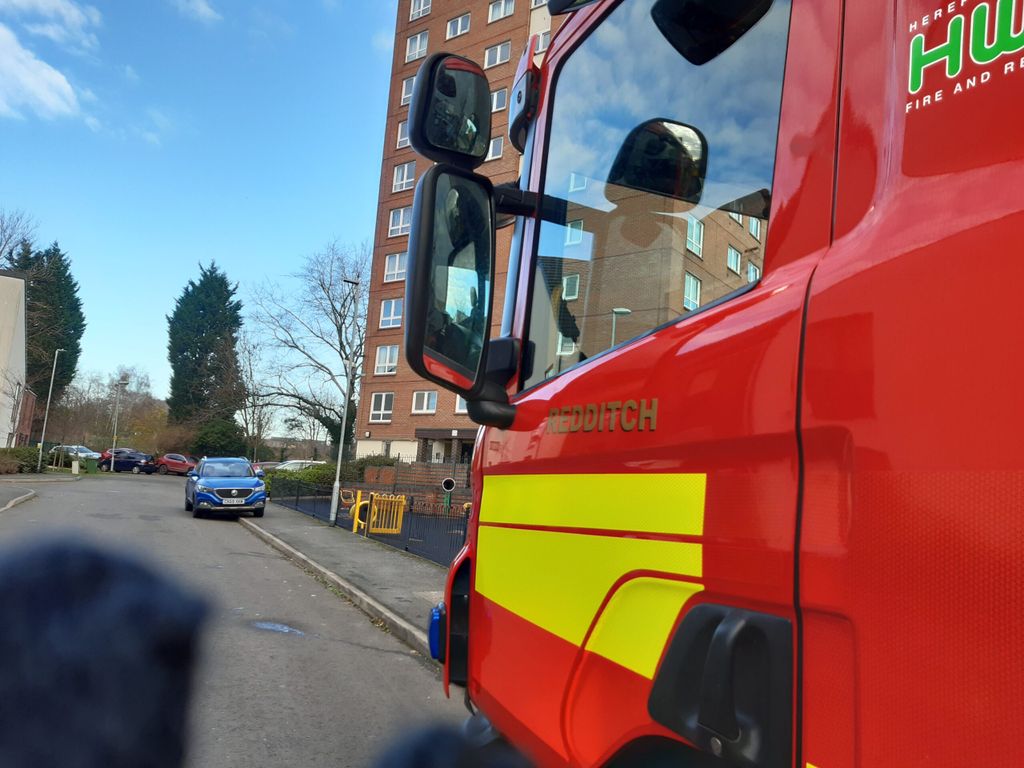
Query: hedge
pixel 323 474
pixel 25 457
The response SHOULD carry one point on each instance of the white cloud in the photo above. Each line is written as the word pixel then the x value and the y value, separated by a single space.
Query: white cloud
pixel 93 124
pixel 200 10
pixel 66 22
pixel 26 83
pixel 383 41
pixel 130 74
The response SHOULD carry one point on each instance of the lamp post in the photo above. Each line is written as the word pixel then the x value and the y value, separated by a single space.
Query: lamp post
pixel 615 316
pixel 118 388
pixel 46 415
pixel 353 284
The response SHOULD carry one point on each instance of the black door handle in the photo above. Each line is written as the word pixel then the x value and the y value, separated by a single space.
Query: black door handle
pixel 725 685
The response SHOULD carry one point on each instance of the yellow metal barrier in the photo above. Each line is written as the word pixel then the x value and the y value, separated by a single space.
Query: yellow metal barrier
pixel 384 512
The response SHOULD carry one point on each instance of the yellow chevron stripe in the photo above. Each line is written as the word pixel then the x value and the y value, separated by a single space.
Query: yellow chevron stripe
pixel 671 503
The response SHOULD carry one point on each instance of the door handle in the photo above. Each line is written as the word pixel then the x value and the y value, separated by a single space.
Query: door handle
pixel 725 685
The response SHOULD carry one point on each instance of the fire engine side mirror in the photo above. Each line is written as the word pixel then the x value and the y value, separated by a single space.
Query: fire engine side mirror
pixel 663 157
pixel 450 113
pixel 449 279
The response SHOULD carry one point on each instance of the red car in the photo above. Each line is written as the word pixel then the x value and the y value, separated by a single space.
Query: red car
pixel 176 463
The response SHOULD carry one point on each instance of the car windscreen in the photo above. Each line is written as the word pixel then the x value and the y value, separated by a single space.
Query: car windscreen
pixel 227 470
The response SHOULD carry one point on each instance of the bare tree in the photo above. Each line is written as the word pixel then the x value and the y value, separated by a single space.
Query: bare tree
pixel 16 227
pixel 256 413
pixel 319 331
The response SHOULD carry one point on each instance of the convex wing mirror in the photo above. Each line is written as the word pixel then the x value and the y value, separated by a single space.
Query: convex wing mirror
pixel 450 114
pixel 450 277
pixel 662 157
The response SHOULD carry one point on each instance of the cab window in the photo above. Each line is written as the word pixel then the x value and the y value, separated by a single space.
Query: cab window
pixel 659 171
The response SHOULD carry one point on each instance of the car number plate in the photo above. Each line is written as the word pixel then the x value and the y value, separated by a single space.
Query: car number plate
pixel 233 501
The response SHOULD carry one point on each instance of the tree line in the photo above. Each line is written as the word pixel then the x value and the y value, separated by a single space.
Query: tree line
pixel 236 375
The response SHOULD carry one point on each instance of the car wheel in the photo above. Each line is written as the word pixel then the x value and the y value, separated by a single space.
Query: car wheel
pixel 188 505
pixel 257 513
pixel 197 514
pixel 162 469
pixel 104 467
pixel 135 470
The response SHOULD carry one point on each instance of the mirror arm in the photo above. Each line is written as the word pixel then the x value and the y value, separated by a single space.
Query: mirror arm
pixel 509 198
pixel 492 408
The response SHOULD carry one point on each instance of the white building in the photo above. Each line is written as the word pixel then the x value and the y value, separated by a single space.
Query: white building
pixel 12 358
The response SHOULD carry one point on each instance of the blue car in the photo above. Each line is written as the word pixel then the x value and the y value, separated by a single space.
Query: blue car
pixel 227 486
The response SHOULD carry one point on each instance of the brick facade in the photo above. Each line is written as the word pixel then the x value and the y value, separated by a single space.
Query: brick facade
pixel 443 435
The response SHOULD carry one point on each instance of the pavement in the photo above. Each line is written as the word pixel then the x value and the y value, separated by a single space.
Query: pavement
pixel 393 587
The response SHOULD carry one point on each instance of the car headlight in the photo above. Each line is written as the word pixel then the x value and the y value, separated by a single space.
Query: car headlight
pixel 204 488
pixel 260 487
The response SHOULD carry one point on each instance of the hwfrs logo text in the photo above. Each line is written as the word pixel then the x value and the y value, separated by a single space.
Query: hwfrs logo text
pixel 993 32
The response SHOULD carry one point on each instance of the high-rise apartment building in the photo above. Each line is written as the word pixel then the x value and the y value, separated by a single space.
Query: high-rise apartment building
pixel 399 413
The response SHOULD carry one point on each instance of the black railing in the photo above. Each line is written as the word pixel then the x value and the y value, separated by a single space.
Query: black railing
pixel 432 528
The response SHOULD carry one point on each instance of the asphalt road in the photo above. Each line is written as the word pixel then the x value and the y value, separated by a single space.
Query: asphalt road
pixel 324 688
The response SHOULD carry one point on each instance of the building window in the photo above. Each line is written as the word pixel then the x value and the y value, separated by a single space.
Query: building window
pixel 400 222
pixel 382 405
pixel 755 227
pixel 732 260
pixel 499 99
pixel 497 54
pixel 574 232
pixel 405 177
pixel 538 3
pixel 571 287
pixel 691 292
pixel 387 360
pixel 577 182
pixel 391 313
pixel 695 235
pixel 458 26
pixel 496 147
pixel 460 404
pixel 407 85
pixel 738 218
pixel 544 42
pixel 394 266
pixel 753 273
pixel 424 402
pixel 403 134
pixel 418 8
pixel 416 47
pixel 499 9
pixel 566 346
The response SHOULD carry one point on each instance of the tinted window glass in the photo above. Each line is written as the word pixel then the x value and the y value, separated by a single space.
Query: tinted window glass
pixel 633 242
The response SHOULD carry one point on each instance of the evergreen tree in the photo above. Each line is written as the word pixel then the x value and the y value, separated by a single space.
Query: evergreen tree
pixel 54 317
pixel 202 349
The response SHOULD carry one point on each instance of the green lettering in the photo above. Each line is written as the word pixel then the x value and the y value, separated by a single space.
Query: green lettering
pixel 951 51
pixel 1004 41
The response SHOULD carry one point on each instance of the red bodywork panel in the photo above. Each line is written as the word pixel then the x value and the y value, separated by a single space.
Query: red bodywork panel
pixel 856 415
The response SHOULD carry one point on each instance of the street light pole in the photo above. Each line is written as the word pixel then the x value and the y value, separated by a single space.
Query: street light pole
pixel 353 284
pixel 615 316
pixel 118 387
pixel 46 416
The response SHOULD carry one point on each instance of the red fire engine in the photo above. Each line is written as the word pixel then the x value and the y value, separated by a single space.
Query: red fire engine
pixel 750 486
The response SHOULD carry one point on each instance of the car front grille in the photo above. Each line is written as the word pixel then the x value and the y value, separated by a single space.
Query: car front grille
pixel 234 493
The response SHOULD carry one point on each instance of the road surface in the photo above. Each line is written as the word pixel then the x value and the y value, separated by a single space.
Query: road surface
pixel 291 675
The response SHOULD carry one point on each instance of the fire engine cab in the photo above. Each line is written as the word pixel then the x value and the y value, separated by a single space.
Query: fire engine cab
pixel 749 487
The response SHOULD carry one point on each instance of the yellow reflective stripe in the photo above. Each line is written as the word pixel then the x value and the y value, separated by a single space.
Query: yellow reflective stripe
pixel 635 625
pixel 558 580
pixel 670 503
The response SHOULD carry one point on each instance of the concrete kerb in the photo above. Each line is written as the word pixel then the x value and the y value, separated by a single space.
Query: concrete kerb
pixel 399 627
pixel 19 500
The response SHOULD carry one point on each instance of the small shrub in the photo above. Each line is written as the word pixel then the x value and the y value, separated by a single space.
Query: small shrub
pixel 9 466
pixel 26 457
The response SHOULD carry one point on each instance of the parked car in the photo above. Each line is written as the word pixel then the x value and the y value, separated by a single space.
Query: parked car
pixel 117 451
pixel 294 465
pixel 225 485
pixel 129 461
pixel 176 463
pixel 73 452
pixel 266 466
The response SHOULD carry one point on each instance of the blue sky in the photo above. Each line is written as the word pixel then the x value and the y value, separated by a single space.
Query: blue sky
pixel 151 135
